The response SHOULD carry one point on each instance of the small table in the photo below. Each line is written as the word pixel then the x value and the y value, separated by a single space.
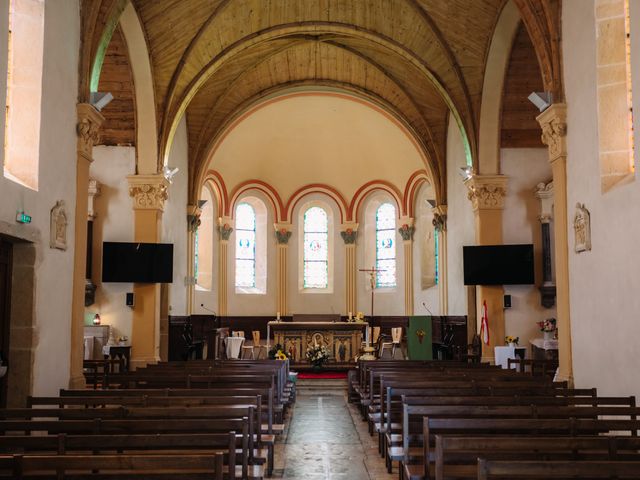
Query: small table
pixel 504 353
pixel 542 349
pixel 118 352
pixel 233 347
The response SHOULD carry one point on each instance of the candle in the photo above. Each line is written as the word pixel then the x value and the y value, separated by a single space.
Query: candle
pixel 350 315
pixel 278 316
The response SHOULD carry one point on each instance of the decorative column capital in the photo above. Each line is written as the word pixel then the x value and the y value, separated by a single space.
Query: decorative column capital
pixel 487 192
pixel 349 233
pixel 544 192
pixel 193 218
pixel 553 122
pixel 283 233
pixel 407 228
pixel 87 129
pixel 93 191
pixel 225 228
pixel 149 192
pixel 440 218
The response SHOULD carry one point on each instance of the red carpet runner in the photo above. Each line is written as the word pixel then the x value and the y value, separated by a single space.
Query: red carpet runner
pixel 323 375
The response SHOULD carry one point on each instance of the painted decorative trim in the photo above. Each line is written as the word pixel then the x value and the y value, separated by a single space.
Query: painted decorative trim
pixel 225 231
pixel 349 236
pixel 149 192
pixel 282 236
pixel 58 227
pixel 406 232
pixel 487 192
pixel 582 228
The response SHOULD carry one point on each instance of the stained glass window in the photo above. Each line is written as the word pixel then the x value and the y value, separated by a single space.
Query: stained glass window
pixel 245 246
pixel 195 257
pixel 386 246
pixel 316 248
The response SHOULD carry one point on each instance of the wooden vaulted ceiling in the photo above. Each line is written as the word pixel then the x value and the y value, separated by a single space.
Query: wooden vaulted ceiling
pixel 420 59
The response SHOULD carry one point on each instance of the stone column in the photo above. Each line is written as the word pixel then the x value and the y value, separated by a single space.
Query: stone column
pixel 224 231
pixel 554 130
pixel 406 232
pixel 349 234
pixel 548 288
pixel 88 126
pixel 193 222
pixel 440 226
pixel 487 193
pixel 149 193
pixel 283 234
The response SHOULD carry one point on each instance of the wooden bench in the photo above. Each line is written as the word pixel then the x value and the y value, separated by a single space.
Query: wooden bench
pixel 556 469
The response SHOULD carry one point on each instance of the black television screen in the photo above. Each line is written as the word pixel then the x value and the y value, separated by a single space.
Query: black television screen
pixel 498 265
pixel 137 262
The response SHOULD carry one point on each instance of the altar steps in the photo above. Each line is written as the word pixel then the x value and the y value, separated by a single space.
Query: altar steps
pixel 317 386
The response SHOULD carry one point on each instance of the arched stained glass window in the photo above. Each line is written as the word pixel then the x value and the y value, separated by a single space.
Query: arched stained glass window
pixel 316 248
pixel 245 246
pixel 386 246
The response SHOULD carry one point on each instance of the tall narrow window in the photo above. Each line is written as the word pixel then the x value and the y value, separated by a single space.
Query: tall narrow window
pixel 436 237
pixel 196 260
pixel 24 92
pixel 245 246
pixel 386 246
pixel 316 248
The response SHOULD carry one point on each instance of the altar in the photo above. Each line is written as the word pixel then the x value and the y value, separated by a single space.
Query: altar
pixel 343 339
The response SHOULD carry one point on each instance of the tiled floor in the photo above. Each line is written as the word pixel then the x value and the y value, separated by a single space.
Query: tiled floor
pixel 326 439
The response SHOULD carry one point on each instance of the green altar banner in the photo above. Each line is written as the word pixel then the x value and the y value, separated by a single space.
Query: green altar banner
pixel 419 337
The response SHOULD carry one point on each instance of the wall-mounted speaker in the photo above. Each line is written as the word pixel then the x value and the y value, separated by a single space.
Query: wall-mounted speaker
pixel 507 301
pixel 131 300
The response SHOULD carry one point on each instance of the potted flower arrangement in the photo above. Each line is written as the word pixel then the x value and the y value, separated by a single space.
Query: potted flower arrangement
pixel 277 352
pixel 511 341
pixel 548 328
pixel 317 355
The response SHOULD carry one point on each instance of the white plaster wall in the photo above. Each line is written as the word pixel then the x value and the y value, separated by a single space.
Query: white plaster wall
pixel 54 268
pixel 255 303
pixel 460 222
pixel 113 223
pixel 387 301
pixel 604 282
pixel 174 220
pixel 306 302
pixel 525 168
pixel 424 227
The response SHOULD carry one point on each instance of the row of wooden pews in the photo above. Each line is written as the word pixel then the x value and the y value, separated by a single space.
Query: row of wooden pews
pixel 453 420
pixel 183 420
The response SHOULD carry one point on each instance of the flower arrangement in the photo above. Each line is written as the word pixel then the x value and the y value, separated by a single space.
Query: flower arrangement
pixel 509 339
pixel 317 355
pixel 277 352
pixel 360 316
pixel 548 325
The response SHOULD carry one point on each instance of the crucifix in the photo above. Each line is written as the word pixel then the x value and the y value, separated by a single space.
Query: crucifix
pixel 372 278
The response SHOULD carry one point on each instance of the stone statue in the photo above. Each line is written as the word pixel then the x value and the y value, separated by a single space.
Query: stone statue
pixel 582 228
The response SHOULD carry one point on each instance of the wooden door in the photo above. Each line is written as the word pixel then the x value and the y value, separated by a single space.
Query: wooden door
pixel 5 298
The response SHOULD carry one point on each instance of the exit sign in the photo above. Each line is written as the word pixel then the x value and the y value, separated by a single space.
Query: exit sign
pixel 22 217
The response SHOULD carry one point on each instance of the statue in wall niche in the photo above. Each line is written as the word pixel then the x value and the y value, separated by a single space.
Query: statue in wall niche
pixel 58 226
pixel 582 228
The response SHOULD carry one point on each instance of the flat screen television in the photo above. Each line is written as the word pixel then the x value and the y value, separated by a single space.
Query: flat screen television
pixel 498 265
pixel 137 262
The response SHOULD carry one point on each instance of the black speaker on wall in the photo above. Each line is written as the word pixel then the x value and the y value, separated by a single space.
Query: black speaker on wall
pixel 131 300
pixel 507 301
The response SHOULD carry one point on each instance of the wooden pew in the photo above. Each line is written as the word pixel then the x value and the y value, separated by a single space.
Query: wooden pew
pixel 457 455
pixel 556 469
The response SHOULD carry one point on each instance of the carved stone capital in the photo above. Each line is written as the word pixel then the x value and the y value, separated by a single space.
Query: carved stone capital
pixel 440 218
pixel 283 233
pixel 545 218
pixel 88 129
pixel 193 218
pixel 225 228
pixel 553 122
pixel 349 233
pixel 149 192
pixel 487 192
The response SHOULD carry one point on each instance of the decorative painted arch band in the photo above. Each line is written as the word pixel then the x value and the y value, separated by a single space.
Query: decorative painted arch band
pixel 349 211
